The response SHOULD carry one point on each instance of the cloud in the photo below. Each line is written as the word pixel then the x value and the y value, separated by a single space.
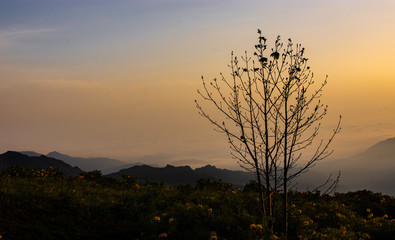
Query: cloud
pixel 25 32
pixel 9 37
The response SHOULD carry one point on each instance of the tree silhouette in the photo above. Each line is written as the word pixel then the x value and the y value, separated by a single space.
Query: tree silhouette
pixel 270 111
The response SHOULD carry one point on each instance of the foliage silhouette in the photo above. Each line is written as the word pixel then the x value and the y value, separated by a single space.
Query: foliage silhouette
pixel 270 112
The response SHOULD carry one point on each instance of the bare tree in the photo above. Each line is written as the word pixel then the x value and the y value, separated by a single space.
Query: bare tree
pixel 270 113
pixel 300 111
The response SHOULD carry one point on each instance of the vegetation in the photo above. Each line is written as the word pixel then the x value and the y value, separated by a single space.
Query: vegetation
pixel 270 111
pixel 42 204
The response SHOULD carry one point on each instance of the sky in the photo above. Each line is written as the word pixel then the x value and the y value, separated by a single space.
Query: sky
pixel 118 79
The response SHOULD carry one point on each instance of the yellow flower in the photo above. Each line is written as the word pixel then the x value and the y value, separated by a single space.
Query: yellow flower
pixel 325 235
pixel 210 211
pixel 293 206
pixel 137 186
pixel 234 192
pixel 171 220
pixel 343 230
pixel 252 226
pixel 370 215
pixel 187 206
pixel 385 216
pixel 366 236
pixel 162 235
pixel 367 209
pixel 299 211
pixel 156 218
pixel 259 227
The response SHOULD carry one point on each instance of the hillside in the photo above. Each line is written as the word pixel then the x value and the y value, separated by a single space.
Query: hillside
pixel 99 208
pixel 379 156
pixel 372 169
pixel 10 158
pixel 184 175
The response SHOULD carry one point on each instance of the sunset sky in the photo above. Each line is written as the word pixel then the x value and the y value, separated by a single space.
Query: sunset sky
pixel 119 78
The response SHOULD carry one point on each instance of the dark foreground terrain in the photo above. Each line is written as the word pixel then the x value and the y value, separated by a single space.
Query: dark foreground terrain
pixel 43 204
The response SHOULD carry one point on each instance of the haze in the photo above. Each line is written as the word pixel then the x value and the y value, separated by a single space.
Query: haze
pixel 118 78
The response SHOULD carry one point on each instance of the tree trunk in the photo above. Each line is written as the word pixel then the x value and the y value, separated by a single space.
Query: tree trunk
pixel 285 206
pixel 258 176
pixel 285 203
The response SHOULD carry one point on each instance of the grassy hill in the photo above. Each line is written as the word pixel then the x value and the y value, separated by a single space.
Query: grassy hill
pixel 42 204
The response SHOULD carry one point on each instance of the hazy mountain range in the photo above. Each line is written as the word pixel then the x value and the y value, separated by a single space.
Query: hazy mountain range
pixel 105 165
pixel 186 175
pixel 373 169
pixel 10 158
pixel 169 175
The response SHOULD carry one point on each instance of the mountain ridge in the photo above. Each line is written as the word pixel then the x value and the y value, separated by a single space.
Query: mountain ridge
pixel 371 169
pixel 173 175
pixel 10 158
pixel 91 163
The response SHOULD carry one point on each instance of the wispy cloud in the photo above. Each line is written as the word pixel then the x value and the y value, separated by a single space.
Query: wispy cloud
pixel 25 32
pixel 9 37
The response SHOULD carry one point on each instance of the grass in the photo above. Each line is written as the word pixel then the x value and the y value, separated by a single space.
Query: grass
pixel 42 204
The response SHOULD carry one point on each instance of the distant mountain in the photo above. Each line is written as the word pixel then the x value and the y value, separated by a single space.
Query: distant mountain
pixel 377 166
pixel 373 169
pixel 380 155
pixel 118 168
pixel 36 162
pixel 106 165
pixel 193 163
pixel 184 175
pixel 31 153
pixel 239 178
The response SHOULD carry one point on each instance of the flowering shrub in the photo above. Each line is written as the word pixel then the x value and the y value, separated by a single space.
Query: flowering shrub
pixel 41 204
